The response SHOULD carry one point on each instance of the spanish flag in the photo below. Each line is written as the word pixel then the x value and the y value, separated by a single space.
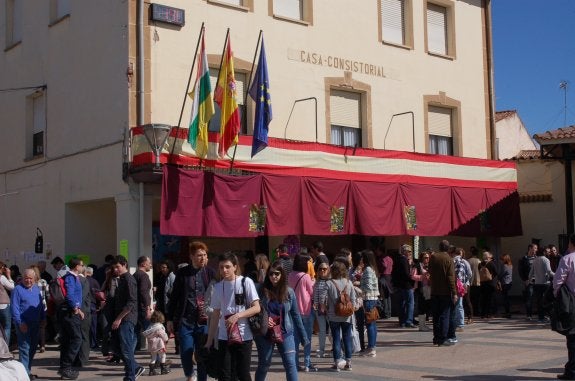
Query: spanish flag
pixel 225 97
pixel 202 107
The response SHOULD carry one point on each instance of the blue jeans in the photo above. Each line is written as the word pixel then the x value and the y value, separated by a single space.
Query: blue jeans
pixel 407 304
pixel 190 337
pixel 265 351
pixel 308 325
pixel 368 305
pixel 6 321
pixel 128 342
pixel 441 306
pixel 322 324
pixel 70 336
pixel 27 344
pixel 528 298
pixel 459 314
pixel 337 329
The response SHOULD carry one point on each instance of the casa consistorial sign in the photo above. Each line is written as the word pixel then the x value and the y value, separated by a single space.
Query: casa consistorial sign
pixel 336 62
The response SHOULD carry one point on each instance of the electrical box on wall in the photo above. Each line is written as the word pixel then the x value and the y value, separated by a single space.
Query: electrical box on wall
pixel 168 15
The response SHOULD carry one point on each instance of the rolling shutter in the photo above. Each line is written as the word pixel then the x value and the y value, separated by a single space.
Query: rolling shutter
pixel 345 109
pixel 289 8
pixel 393 21
pixel 439 121
pixel 436 29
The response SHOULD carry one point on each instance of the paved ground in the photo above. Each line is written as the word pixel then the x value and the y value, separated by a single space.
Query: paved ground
pixel 495 349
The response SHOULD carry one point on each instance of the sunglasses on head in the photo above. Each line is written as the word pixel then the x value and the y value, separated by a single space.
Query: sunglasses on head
pixel 275 273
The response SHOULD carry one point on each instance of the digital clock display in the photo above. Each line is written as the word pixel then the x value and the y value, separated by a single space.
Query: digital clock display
pixel 168 15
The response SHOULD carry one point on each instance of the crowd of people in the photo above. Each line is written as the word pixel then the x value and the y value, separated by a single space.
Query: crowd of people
pixel 212 313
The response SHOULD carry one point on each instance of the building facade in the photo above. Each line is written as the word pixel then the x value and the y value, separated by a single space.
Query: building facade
pixel 401 75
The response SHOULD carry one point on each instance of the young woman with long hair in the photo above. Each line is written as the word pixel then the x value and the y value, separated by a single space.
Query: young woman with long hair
pixel 279 301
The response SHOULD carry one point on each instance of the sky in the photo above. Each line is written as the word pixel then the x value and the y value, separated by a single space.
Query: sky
pixel 533 52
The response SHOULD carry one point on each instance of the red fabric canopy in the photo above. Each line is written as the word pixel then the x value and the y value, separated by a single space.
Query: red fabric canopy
pixel 198 203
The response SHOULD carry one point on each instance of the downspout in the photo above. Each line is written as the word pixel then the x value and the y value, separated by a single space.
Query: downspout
pixel 140 107
pixel 490 87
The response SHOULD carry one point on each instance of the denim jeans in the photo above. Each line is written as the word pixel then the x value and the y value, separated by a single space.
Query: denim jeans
pixel 368 305
pixel 27 344
pixel 441 306
pixel 308 325
pixel 128 342
pixel 190 337
pixel 6 321
pixel 235 361
pixel 459 314
pixel 360 325
pixel 322 324
pixel 407 305
pixel 528 298
pixel 337 330
pixel 286 351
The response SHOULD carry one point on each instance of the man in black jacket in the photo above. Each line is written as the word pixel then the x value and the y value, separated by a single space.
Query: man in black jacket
pixel 126 317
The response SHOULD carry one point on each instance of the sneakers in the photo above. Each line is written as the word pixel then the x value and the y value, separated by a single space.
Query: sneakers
pixel 320 354
pixel 451 341
pixel 335 368
pixel 370 352
pixel 68 374
pixel 310 368
pixel 347 366
pixel 424 328
pixel 139 371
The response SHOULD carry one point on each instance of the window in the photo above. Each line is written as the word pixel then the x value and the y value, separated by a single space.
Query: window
pixel 439 28
pixel 298 10
pixel 440 130
pixel 59 9
pixel 345 118
pixel 37 125
pixel 241 89
pixel 395 21
pixel 13 22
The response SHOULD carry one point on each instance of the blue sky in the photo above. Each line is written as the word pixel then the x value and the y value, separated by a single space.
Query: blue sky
pixel 534 50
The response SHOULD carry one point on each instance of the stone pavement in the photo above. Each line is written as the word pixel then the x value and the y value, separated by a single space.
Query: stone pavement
pixel 495 349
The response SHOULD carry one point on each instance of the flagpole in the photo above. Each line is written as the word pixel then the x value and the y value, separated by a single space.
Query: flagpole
pixel 186 93
pixel 246 96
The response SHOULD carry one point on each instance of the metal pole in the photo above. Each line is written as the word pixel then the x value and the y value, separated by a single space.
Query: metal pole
pixel 246 96
pixel 186 92
pixel 293 106
pixel 412 127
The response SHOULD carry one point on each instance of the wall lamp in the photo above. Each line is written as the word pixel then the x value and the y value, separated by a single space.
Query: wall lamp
pixel 156 135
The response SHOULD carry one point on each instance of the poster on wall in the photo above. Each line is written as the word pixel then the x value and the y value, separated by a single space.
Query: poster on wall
pixel 164 246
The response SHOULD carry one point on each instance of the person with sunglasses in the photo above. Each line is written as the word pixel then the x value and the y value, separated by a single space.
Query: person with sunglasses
pixel 279 300
pixel 320 303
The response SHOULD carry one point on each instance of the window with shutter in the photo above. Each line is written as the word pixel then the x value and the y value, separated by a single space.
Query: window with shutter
pixel 437 29
pixel 393 21
pixel 38 127
pixel 59 9
pixel 292 9
pixel 439 121
pixel 13 22
pixel 345 118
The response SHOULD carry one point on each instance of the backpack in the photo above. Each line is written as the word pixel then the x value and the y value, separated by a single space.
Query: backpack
pixel 343 305
pixel 57 291
pixel 485 274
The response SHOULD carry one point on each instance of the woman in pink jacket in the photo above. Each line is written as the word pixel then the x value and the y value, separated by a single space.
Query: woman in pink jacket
pixel 302 284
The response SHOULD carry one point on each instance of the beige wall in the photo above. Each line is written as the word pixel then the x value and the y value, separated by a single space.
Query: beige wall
pixel 512 137
pixel 543 220
pixel 410 74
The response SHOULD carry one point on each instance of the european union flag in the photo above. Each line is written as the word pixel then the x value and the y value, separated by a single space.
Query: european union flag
pixel 260 93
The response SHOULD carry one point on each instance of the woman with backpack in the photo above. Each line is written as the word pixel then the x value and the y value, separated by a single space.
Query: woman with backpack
pixel 340 302
pixel 302 284
pixel 279 301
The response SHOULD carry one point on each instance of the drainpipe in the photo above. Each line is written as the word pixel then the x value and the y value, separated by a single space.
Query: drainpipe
pixel 490 87
pixel 140 108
